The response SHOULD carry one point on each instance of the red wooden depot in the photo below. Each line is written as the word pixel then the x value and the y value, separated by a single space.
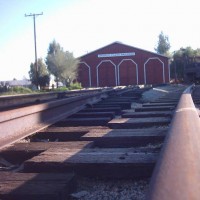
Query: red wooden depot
pixel 121 64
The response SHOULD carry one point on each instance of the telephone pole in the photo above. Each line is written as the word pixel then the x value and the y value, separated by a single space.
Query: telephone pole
pixel 35 43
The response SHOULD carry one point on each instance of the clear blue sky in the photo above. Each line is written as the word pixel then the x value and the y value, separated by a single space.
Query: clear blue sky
pixel 82 26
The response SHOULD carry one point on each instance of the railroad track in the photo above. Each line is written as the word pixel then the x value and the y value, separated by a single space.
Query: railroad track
pixel 15 101
pixel 119 137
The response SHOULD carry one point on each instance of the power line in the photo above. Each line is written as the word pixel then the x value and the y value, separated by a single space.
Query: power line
pixel 35 44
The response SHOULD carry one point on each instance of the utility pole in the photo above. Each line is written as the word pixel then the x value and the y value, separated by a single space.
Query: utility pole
pixel 35 43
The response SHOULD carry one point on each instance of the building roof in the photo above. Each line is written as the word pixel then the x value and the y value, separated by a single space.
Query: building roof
pixel 117 42
pixel 24 82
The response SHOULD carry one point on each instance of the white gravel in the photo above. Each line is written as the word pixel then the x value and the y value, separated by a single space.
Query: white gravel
pixel 103 189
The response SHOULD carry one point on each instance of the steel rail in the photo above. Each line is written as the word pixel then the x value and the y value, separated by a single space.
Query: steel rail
pixel 19 123
pixel 177 172
pixel 11 100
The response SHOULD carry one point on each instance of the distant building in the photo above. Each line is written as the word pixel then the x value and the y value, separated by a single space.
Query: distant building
pixel 22 83
pixel 14 83
pixel 121 64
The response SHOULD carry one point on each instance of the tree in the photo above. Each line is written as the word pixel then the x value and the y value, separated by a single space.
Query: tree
pixel 44 80
pixel 163 45
pixel 70 71
pixel 43 74
pixel 61 64
pixel 182 59
pixel 53 47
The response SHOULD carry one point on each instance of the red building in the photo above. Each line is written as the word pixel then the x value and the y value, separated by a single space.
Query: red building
pixel 120 64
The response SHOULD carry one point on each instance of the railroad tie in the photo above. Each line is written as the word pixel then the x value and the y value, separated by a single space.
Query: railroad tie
pixel 131 123
pixel 129 114
pixel 19 152
pixel 36 186
pixel 125 138
pixel 104 162
pixel 154 108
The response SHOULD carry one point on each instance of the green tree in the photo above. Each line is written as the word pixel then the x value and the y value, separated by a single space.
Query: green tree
pixel 53 47
pixel 43 74
pixel 163 45
pixel 182 59
pixel 70 71
pixel 61 64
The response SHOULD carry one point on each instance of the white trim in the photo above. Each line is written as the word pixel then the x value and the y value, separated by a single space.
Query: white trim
pixel 169 71
pixel 97 68
pixel 90 83
pixel 132 62
pixel 153 58
pixel 115 54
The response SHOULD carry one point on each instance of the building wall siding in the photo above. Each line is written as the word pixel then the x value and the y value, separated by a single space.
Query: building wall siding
pixel 107 67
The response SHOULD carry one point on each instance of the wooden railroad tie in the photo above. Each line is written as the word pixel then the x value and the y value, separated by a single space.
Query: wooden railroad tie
pixel 154 108
pixel 122 105
pixel 101 121
pixel 120 138
pixel 158 104
pixel 19 152
pixel 116 109
pixel 132 114
pixel 104 162
pixel 131 123
pixel 36 186
pixel 63 133
pixel 93 114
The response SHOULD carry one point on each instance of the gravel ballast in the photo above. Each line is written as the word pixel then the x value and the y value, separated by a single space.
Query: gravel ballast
pixel 103 189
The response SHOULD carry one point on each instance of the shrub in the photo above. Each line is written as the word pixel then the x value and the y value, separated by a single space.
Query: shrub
pixel 20 90
pixel 75 86
pixel 16 90
pixel 61 89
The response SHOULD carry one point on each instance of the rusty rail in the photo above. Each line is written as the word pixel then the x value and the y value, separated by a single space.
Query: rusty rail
pixel 177 172
pixel 16 100
pixel 19 123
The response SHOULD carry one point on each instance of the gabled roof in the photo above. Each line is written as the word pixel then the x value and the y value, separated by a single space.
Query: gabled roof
pixel 18 82
pixel 117 42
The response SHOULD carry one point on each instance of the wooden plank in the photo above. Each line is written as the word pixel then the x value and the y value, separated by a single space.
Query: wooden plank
pixel 117 110
pixel 62 133
pixel 95 114
pixel 96 133
pixel 16 176
pixel 123 105
pixel 158 104
pixel 133 94
pixel 138 122
pixel 72 129
pixel 162 108
pixel 121 98
pixel 117 100
pixel 69 133
pixel 34 186
pixel 108 105
pixel 57 136
pixel 164 101
pixel 126 132
pixel 110 138
pixel 84 121
pixel 43 146
pixel 170 98
pixel 110 162
pixel 147 114
pixel 19 152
